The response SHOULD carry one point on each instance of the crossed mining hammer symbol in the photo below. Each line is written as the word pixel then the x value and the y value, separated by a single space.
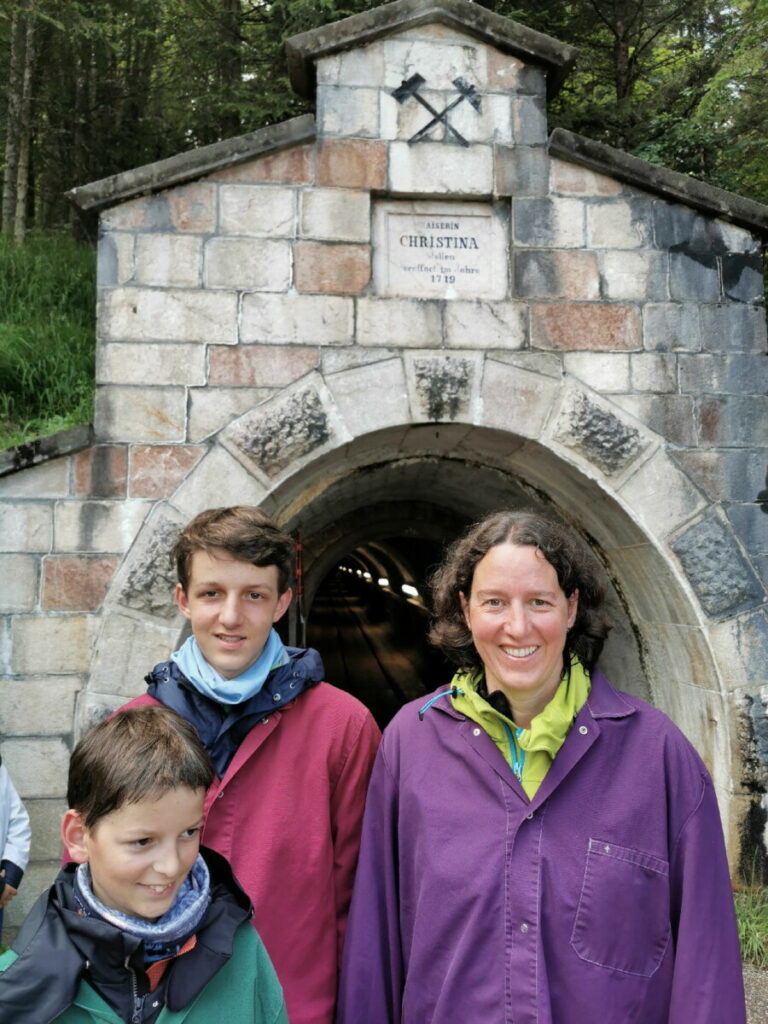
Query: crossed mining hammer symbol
pixel 410 87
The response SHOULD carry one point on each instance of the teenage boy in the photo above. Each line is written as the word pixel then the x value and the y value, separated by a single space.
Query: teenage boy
pixel 292 754
pixel 143 925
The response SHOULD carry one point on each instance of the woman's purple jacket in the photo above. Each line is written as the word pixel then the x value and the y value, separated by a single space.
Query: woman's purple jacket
pixel 605 898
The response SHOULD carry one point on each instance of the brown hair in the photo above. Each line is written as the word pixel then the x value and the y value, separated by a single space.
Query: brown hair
pixel 140 753
pixel 566 554
pixel 245 533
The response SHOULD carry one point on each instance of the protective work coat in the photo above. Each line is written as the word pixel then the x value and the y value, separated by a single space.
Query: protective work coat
pixel 607 897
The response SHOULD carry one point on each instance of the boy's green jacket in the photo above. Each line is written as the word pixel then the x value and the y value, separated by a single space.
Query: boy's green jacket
pixel 245 991
pixel 227 976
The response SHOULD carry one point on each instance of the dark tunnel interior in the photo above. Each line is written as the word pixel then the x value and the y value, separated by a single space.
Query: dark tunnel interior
pixel 369 620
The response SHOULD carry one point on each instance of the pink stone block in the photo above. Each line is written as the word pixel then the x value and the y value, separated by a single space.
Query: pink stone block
pixel 352 163
pixel 259 367
pixel 571 180
pixel 503 70
pixel 72 583
pixel 101 471
pixel 292 166
pixel 571 327
pixel 193 207
pixel 158 469
pixel 335 269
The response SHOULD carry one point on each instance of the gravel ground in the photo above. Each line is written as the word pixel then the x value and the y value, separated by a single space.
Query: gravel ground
pixel 756 984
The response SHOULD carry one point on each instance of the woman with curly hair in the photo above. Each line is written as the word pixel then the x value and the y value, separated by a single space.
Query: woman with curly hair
pixel 538 847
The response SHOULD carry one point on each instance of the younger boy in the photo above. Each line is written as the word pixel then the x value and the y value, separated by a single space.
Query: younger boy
pixel 142 926
pixel 292 754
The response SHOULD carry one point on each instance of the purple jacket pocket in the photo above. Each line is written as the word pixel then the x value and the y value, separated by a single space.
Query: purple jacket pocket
pixel 622 920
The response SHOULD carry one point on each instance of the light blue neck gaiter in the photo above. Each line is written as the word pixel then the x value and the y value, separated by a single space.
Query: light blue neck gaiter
pixel 207 680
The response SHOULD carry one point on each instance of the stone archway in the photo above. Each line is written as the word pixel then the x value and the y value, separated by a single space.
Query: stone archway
pixel 320 458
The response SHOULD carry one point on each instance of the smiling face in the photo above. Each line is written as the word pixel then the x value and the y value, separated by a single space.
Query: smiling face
pixel 140 854
pixel 519 616
pixel 232 605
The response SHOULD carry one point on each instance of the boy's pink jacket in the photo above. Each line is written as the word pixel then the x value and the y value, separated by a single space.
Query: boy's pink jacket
pixel 287 815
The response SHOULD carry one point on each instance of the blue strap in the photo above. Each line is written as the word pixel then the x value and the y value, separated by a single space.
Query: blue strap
pixel 453 692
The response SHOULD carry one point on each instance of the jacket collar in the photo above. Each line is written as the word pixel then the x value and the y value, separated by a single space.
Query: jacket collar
pixel 605 702
pixel 222 729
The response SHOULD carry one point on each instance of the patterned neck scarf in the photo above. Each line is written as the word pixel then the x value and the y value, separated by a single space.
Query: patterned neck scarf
pixel 164 937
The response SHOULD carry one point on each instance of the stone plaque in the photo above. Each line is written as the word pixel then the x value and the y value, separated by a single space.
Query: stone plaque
pixel 438 250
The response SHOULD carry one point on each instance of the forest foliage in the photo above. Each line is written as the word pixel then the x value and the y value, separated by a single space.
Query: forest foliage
pixel 98 86
pixel 94 87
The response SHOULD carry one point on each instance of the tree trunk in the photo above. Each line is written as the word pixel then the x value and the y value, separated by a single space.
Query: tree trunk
pixel 25 127
pixel 230 63
pixel 12 124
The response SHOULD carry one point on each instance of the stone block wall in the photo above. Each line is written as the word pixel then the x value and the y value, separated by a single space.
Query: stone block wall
pixel 242 342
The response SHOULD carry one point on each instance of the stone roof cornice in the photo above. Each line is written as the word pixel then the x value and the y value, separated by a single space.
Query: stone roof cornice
pixel 671 185
pixel 303 50
pixel 192 164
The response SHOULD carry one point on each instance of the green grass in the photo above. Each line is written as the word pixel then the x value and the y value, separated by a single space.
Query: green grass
pixel 47 336
pixel 752 918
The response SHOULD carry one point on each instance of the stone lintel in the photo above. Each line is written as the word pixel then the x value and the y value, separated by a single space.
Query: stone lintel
pixel 670 185
pixel 194 163
pixel 528 45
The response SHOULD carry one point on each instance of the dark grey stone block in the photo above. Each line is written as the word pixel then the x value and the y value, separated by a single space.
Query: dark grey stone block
pixel 743 276
pixel 750 524
pixel 532 80
pixel 521 171
pixel 535 274
pixel 531 128
pixel 735 421
pixel 536 222
pixel 694 276
pixel 727 474
pixel 657 283
pixel 739 374
pixel 670 416
pixel 681 229
pixel 733 327
pixel 720 575
pixel 669 327
pixel 296 429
